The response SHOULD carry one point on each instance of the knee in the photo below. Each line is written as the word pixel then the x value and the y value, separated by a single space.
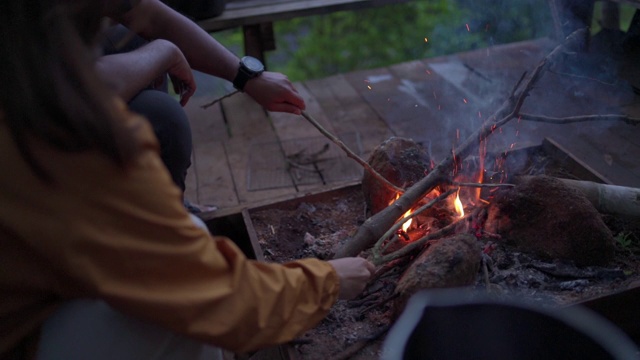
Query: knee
pixel 162 110
pixel 171 127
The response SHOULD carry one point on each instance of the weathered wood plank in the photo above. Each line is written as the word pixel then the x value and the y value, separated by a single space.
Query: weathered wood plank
pixel 348 111
pixel 207 126
pixel 241 13
pixel 416 103
pixel 213 177
pixel 298 137
pixel 289 126
pixel 248 124
pixel 617 165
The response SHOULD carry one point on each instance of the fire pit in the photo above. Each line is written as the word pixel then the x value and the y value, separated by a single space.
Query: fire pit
pixel 317 225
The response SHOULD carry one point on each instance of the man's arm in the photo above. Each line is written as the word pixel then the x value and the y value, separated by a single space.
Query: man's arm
pixel 129 72
pixel 152 19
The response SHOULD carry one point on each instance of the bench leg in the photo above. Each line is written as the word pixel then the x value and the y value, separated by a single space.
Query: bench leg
pixel 258 39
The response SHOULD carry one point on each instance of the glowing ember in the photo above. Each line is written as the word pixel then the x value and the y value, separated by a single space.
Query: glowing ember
pixel 426 40
pixel 458 205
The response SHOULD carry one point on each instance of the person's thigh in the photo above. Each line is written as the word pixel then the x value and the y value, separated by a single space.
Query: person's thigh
pixel 91 329
pixel 171 126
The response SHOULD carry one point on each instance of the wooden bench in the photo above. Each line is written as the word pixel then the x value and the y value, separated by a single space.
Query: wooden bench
pixel 256 17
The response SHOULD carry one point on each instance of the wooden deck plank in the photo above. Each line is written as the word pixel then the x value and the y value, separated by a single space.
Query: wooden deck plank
pixel 299 136
pixel 349 112
pixel 213 178
pixel 416 104
pixel 249 125
pixel 206 124
pixel 290 126
pixel 207 160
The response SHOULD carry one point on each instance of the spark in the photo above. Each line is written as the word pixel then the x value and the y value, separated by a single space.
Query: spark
pixel 434 95
pixel 425 39
pixel 458 134
pixel 480 114
pixel 467 25
pixel 465 101
pixel 369 87
pixel 517 132
pixel 428 72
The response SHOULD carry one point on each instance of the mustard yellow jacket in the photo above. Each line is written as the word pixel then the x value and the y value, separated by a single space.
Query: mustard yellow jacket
pixel 123 235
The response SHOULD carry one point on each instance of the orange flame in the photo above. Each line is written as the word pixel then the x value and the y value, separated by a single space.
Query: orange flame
pixel 407 223
pixel 458 205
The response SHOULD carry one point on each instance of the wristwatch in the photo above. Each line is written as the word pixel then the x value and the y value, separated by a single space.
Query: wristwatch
pixel 250 68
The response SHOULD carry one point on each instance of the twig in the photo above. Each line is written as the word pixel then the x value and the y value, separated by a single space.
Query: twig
pixel 219 99
pixel 351 154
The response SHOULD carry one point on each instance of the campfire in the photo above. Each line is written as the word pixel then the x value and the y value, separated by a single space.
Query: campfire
pixel 454 222
pixel 465 254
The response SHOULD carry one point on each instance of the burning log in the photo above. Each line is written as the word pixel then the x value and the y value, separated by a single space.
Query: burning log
pixel 610 199
pixel 545 217
pixel 446 263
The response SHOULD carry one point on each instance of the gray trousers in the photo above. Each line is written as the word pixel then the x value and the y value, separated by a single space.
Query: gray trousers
pixel 90 329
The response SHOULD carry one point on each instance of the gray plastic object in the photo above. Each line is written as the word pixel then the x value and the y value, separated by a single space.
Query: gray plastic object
pixel 457 324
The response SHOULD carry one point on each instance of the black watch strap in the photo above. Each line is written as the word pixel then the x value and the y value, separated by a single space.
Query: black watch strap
pixel 250 68
pixel 242 77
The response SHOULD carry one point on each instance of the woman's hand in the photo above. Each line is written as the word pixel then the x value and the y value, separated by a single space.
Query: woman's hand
pixel 354 273
pixel 275 92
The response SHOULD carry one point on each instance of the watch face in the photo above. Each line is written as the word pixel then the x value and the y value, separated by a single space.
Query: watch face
pixel 252 64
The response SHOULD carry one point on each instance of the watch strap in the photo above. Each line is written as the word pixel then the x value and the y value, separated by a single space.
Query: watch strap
pixel 242 77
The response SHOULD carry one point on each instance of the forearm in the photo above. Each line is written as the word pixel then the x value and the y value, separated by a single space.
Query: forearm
pixel 131 72
pixel 154 20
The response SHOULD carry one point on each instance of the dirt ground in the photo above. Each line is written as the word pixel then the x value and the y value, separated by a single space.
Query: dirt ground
pixel 319 227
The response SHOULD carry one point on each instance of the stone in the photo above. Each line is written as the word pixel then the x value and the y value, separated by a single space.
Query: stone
pixel 402 162
pixel 545 217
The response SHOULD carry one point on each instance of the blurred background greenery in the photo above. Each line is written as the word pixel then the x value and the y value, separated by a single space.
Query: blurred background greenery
pixel 319 46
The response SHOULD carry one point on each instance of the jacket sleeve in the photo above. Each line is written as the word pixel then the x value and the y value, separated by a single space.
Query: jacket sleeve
pixel 124 236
